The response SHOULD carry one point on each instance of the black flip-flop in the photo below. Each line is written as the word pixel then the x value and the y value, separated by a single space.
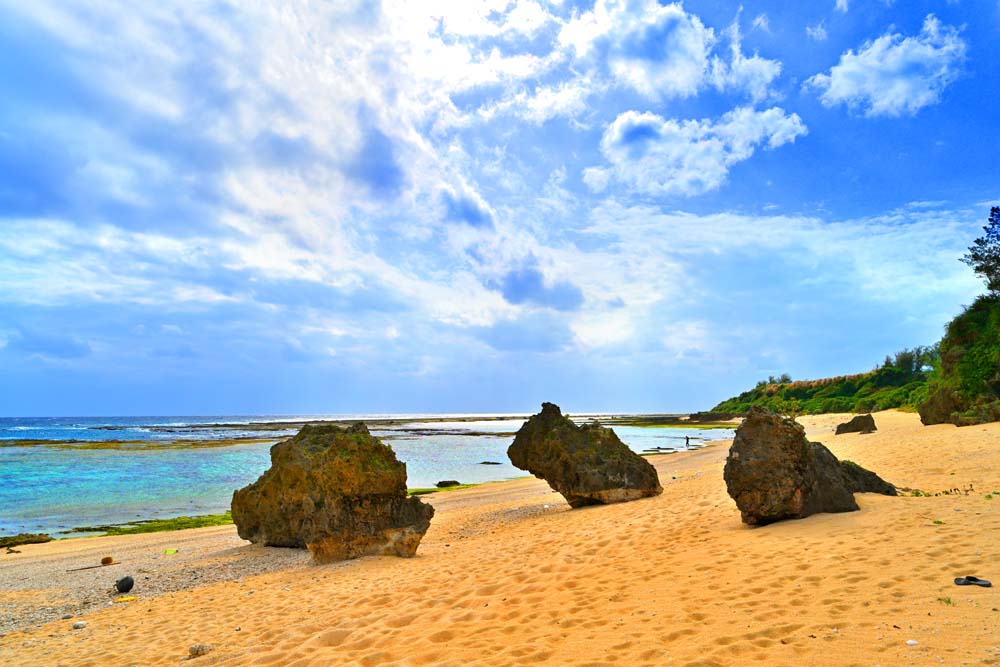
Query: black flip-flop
pixel 972 581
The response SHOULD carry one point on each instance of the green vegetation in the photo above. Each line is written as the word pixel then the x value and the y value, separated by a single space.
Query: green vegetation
pixel 159 525
pixel 956 381
pixel 965 389
pixel 946 600
pixel 24 538
pixel 984 253
pixel 901 382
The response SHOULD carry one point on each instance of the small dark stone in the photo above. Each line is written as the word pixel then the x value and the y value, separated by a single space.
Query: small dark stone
pixel 490 463
pixel 859 424
pixel 125 584
pixel 444 484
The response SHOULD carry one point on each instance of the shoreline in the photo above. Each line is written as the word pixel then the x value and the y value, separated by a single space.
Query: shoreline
pixel 205 552
pixel 143 526
pixel 123 462
pixel 508 574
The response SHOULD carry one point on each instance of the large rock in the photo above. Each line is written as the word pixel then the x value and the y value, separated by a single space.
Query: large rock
pixel 337 491
pixel 587 464
pixel 858 424
pixel 774 473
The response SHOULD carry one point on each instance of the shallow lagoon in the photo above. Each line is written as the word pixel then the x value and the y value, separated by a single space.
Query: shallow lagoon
pixel 52 489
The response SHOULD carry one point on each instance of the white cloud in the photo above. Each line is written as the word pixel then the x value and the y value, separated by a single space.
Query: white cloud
pixel 659 156
pixel 659 50
pixel 603 329
pixel 753 74
pixel 527 17
pixel 841 6
pixel 905 256
pixel 567 99
pixel 687 339
pixel 596 178
pixel 663 51
pixel 817 32
pixel 895 75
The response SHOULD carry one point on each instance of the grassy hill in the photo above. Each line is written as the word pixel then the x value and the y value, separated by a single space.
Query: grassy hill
pixel 901 382
pixel 965 387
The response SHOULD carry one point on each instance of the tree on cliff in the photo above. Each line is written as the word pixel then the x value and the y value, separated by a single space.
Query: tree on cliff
pixel 984 253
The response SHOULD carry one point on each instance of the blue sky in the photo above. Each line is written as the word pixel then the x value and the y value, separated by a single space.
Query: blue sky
pixel 450 205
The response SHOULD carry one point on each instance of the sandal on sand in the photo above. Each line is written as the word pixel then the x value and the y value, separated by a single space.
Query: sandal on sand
pixel 972 581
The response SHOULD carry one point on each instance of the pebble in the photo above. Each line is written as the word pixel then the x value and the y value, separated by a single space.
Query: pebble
pixel 85 591
pixel 198 650
pixel 912 642
pixel 80 625
pixel 66 617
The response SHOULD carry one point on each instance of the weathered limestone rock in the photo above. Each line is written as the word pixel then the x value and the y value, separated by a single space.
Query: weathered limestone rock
pixel 339 492
pixel 858 424
pixel 587 464
pixel 774 473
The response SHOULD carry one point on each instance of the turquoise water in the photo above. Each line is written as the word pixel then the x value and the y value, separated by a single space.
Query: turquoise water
pixel 50 489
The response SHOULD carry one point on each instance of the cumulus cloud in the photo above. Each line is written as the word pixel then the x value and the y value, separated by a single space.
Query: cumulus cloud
pixel 663 51
pixel 659 50
pixel 895 75
pixel 660 156
pixel 841 6
pixel 753 74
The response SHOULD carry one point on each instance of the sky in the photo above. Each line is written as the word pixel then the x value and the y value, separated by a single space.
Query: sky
pixel 290 207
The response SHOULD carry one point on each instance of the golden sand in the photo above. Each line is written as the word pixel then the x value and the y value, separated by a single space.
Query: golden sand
pixel 508 575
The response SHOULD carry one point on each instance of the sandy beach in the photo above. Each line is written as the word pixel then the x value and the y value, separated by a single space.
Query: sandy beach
pixel 509 575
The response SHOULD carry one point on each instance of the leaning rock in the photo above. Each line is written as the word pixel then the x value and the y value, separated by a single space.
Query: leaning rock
pixel 339 492
pixel 774 473
pixel 588 464
pixel 859 424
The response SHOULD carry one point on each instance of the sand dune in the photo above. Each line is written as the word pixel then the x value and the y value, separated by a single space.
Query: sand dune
pixel 508 575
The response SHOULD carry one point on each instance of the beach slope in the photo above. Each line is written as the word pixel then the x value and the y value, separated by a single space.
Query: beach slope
pixel 509 575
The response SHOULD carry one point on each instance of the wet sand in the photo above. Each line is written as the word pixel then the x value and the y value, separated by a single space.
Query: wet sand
pixel 509 575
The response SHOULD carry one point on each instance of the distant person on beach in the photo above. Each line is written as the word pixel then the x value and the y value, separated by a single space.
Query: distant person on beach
pixel 687 441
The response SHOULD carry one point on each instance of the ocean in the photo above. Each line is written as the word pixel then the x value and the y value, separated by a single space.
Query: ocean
pixel 62 473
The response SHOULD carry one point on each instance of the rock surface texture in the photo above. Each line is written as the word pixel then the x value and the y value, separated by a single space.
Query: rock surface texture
pixel 587 464
pixel 340 492
pixel 858 424
pixel 774 473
